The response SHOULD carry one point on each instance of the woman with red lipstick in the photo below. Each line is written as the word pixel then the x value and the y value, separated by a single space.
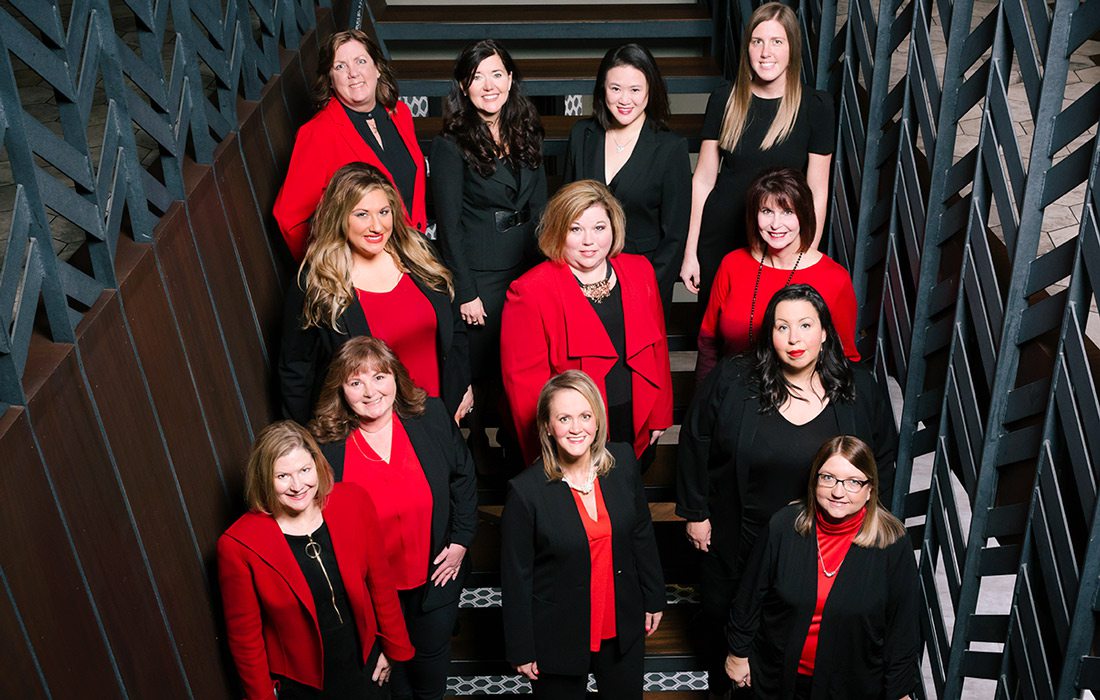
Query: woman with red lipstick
pixel 781 212
pixel 627 146
pixel 359 118
pixel 310 605
pixel 381 432
pixel 752 431
pixel 580 572
pixel 489 185
pixel 592 308
pixel 368 273
pixel 830 602
pixel 766 119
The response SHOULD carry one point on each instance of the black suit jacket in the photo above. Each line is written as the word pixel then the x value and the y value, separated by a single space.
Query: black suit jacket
pixel 715 456
pixel 449 469
pixel 305 353
pixel 546 566
pixel 467 207
pixel 654 187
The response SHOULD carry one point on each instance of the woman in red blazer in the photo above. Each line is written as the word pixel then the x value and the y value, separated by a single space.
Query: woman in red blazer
pixel 311 610
pixel 365 122
pixel 593 309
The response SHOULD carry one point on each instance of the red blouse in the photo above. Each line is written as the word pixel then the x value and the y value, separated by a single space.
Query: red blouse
pixel 602 588
pixel 400 493
pixel 725 328
pixel 405 319
pixel 833 541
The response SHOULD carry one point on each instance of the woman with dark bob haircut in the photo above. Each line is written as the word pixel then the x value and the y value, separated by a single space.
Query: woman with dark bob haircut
pixel 830 601
pixel 359 118
pixel 310 605
pixel 627 146
pixel 780 215
pixel 752 430
pixel 384 434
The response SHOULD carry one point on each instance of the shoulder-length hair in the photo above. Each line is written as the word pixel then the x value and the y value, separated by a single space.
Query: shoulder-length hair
pixel 788 188
pixel 327 264
pixel 567 205
pixel 832 366
pixel 735 118
pixel 636 56
pixel 275 441
pixel 880 527
pixel 519 127
pixel 333 419
pixel 386 92
pixel 578 381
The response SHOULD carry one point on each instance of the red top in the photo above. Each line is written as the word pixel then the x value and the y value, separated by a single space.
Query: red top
pixel 405 319
pixel 833 541
pixel 400 493
pixel 725 328
pixel 602 589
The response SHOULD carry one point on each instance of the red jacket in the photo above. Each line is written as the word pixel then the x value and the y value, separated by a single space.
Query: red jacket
pixel 324 144
pixel 270 617
pixel 548 326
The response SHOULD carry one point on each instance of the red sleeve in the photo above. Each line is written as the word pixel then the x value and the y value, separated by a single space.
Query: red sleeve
pixel 708 343
pixel 662 414
pixel 845 312
pixel 524 359
pixel 380 585
pixel 306 179
pixel 243 620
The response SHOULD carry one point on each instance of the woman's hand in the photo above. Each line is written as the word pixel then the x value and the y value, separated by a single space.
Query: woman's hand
pixel 473 312
pixel 737 668
pixel 654 436
pixel 466 406
pixel 381 670
pixel 699 534
pixel 689 273
pixel 529 671
pixel 652 622
pixel 449 561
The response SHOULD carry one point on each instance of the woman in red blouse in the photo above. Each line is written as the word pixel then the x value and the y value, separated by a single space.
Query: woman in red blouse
pixel 580 573
pixel 780 208
pixel 380 431
pixel 310 605
pixel 367 273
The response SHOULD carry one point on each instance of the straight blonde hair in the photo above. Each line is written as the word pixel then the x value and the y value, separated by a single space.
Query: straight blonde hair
pixel 602 460
pixel 567 205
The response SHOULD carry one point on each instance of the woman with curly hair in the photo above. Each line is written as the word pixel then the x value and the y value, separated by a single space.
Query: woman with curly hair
pixel 489 187
pixel 751 433
pixel 368 273
pixel 359 118
pixel 380 431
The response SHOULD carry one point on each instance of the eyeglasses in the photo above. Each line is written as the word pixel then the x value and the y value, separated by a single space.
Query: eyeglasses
pixel 850 485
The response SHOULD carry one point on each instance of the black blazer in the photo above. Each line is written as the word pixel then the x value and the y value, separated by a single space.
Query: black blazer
pixel 546 566
pixel 869 641
pixel 305 354
pixel 715 452
pixel 449 469
pixel 473 214
pixel 654 187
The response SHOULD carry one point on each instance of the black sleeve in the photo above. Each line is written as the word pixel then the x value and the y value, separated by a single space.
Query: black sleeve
pixel 901 653
pixel 646 557
pixel 822 123
pixel 885 438
pixel 675 210
pixel 756 581
pixel 517 578
pixel 572 154
pixel 716 109
pixel 463 484
pixel 693 454
pixel 448 170
pixel 298 351
pixel 457 375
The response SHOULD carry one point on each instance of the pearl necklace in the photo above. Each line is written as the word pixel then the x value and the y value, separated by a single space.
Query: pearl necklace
pixel 583 487
pixel 828 574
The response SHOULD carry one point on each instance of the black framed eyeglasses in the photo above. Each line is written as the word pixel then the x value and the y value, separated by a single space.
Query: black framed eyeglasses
pixel 850 485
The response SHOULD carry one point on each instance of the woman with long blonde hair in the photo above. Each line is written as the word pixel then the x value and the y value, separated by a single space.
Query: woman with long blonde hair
pixel 366 272
pixel 766 119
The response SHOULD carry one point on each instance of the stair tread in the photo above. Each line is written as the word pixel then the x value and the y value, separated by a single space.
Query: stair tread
pixel 556 68
pixel 507 14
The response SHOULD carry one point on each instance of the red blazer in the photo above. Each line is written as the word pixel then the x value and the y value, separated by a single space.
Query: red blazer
pixel 324 144
pixel 270 617
pixel 548 326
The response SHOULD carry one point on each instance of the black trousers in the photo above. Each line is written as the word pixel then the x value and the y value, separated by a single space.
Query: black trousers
pixel 618 676
pixel 344 678
pixel 424 677
pixel 717 587
pixel 803 686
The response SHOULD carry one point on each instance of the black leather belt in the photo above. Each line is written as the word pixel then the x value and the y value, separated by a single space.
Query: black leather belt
pixel 510 219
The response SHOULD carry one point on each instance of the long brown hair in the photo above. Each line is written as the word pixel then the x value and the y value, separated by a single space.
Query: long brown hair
pixel 278 440
pixel 385 92
pixel 789 189
pixel 578 381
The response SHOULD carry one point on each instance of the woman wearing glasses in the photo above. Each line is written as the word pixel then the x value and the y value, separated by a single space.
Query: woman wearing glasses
pixel 830 601
pixel 751 434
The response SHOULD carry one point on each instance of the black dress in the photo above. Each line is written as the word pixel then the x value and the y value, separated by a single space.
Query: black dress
pixel 723 225
pixel 395 155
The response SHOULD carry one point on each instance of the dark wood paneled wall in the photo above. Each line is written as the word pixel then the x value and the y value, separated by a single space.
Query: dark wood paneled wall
pixel 126 462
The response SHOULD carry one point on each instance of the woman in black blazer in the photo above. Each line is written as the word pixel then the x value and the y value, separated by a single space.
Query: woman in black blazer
pixel 489 187
pixel 366 272
pixel 830 602
pixel 580 573
pixel 751 433
pixel 381 432
pixel 627 146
